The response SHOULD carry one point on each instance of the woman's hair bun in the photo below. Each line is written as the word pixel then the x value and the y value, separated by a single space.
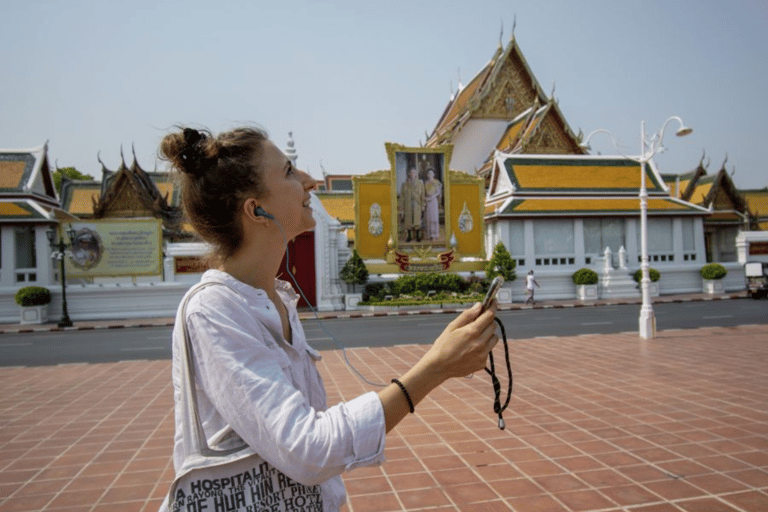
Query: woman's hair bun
pixel 191 151
pixel 193 157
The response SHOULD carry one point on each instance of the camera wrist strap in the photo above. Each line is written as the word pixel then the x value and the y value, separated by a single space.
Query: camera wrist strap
pixel 497 407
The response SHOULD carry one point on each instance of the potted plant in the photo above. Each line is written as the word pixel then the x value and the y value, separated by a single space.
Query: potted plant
pixel 712 278
pixel 502 264
pixel 652 286
pixel 33 302
pixel 355 273
pixel 585 280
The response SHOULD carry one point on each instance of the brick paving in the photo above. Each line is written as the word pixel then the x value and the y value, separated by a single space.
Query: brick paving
pixel 597 423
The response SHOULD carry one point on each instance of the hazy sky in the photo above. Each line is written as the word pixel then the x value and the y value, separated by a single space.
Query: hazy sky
pixel 346 76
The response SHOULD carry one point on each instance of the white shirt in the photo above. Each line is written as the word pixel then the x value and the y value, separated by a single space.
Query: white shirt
pixel 269 391
pixel 529 281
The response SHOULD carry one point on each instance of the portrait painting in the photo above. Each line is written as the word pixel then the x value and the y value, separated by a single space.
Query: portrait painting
pixel 419 178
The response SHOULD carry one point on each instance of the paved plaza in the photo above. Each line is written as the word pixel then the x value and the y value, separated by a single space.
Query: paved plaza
pixel 597 423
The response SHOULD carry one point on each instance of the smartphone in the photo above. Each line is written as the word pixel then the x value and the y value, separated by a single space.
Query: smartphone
pixel 492 291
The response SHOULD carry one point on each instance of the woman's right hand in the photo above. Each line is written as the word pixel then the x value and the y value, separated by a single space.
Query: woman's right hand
pixel 460 350
pixel 464 345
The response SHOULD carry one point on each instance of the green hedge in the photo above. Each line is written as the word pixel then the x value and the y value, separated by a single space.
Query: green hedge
pixel 419 285
pixel 713 271
pixel 652 273
pixel 33 296
pixel 585 276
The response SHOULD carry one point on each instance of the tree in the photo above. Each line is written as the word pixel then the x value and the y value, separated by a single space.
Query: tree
pixel 69 173
pixel 501 263
pixel 354 272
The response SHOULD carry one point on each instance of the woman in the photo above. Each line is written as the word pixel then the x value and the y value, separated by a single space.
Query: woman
pixel 254 371
pixel 433 190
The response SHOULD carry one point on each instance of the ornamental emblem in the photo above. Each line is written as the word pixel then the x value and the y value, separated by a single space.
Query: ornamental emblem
pixel 87 249
pixel 375 224
pixel 465 220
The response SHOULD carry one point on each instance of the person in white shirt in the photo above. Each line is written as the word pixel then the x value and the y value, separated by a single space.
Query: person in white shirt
pixel 530 281
pixel 253 369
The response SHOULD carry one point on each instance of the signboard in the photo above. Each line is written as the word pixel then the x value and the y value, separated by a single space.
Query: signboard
pixel 101 248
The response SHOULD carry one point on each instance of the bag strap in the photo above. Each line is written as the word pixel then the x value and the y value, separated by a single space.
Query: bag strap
pixel 192 415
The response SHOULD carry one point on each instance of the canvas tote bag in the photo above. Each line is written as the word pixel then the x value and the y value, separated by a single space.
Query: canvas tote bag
pixel 224 473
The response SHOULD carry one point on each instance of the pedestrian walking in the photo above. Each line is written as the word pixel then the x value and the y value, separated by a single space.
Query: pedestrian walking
pixel 253 430
pixel 530 282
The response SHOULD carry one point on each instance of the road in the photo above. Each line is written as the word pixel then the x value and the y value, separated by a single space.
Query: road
pixel 110 345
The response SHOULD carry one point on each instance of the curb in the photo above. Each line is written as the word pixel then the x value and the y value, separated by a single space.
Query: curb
pixel 168 322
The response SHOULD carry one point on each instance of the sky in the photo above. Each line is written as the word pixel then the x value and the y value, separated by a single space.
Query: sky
pixel 92 77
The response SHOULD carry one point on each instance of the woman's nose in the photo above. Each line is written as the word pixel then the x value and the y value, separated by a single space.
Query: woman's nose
pixel 309 181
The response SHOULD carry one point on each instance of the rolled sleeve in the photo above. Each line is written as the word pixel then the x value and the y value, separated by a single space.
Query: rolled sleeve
pixel 366 414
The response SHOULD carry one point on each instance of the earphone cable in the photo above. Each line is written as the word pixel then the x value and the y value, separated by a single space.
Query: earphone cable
pixel 317 317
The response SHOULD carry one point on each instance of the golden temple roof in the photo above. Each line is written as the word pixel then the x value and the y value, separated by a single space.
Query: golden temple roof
pixel 757 202
pixel 339 205
pixel 600 205
pixel 577 174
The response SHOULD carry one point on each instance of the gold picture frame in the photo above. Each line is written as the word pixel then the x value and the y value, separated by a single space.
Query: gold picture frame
pixel 420 199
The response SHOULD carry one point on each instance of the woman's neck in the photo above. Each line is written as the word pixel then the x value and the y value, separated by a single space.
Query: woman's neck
pixel 255 268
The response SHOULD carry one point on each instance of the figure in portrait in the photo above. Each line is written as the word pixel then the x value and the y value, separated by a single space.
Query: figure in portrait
pixel 433 194
pixel 412 203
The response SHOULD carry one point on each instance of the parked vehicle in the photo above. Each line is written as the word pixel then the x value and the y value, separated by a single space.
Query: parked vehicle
pixel 756 275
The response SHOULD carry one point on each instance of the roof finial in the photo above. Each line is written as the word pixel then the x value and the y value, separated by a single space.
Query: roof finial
pixel 290 151
pixel 726 159
pixel 458 75
pixel 514 25
pixel 552 94
pixel 501 34
pixel 703 154
pixel 122 158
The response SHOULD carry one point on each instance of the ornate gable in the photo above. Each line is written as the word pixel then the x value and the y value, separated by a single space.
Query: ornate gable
pixel 510 89
pixel 132 192
pixel 506 90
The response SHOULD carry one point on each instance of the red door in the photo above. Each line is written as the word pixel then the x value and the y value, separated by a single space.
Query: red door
pixel 301 258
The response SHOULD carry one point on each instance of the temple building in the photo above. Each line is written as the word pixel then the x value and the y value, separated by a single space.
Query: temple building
pixel 128 192
pixel 729 211
pixel 28 208
pixel 555 207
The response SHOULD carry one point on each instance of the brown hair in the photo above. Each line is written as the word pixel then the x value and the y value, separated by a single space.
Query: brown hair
pixel 217 174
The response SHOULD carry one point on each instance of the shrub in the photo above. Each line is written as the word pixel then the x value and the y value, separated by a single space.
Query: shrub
pixel 501 264
pixel 374 290
pixel 652 273
pixel 713 271
pixel 476 284
pixel 408 284
pixel 33 296
pixel 585 276
pixel 354 271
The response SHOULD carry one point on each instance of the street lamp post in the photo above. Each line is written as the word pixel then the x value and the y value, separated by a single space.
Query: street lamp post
pixel 649 147
pixel 60 252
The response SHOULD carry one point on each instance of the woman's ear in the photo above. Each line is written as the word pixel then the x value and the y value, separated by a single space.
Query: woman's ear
pixel 250 209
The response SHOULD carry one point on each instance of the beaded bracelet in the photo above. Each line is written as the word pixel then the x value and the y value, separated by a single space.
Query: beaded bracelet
pixel 405 392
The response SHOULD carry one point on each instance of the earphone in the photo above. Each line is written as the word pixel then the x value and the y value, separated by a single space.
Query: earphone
pixel 260 212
